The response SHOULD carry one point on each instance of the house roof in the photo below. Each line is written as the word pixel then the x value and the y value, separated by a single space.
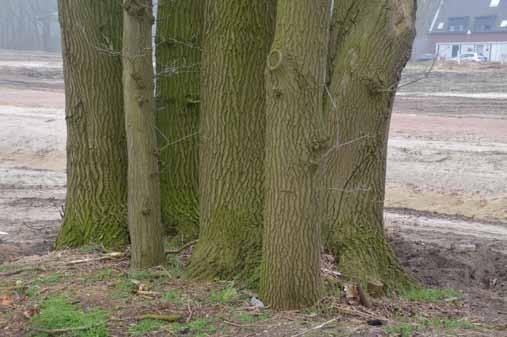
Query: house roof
pixel 476 16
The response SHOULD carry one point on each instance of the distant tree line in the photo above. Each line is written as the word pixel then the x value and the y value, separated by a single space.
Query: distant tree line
pixel 29 25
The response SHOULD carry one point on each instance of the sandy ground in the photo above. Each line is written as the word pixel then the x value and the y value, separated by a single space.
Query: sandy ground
pixel 446 179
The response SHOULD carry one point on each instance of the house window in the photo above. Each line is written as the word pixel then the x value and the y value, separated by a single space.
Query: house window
pixel 503 24
pixel 458 24
pixel 484 23
pixel 494 3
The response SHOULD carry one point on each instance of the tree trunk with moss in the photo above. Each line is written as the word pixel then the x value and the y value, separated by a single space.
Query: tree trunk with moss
pixel 147 249
pixel 178 78
pixel 370 44
pixel 236 39
pixel 96 205
pixel 295 76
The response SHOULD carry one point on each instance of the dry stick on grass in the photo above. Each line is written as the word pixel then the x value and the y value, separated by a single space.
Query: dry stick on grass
pixel 190 313
pixel 320 326
pixel 179 250
pixel 109 256
pixel 19 271
pixel 53 332
pixel 166 318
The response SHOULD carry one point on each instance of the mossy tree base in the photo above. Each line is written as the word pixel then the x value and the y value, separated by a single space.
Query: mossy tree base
pixel 364 256
pixel 230 250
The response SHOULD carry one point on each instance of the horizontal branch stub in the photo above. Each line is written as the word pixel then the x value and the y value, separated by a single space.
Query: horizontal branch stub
pixel 275 59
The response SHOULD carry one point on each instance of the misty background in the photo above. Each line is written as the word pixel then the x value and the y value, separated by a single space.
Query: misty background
pixel 33 25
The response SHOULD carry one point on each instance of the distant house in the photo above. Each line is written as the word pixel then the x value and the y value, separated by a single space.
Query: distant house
pixel 469 26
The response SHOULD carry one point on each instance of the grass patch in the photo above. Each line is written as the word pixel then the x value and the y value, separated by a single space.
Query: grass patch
pixel 224 296
pixel 57 313
pixel 435 324
pixel 401 330
pixel 431 294
pixel 175 268
pixel 146 326
pixel 246 317
pixel 199 328
pixel 173 296
pixel 50 279
pixel 123 289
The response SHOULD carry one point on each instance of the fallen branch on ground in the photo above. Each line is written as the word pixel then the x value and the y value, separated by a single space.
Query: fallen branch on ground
pixel 109 256
pixel 182 248
pixel 65 330
pixel 166 318
pixel 19 271
pixel 320 326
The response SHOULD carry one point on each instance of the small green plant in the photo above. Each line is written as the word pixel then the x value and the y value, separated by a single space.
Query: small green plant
pixel 438 324
pixel 49 279
pixel 199 328
pixel 57 313
pixel 123 289
pixel 175 267
pixel 246 317
pixel 226 295
pixel 146 326
pixel 401 330
pixel 104 274
pixel 173 296
pixel 32 291
pixel 431 294
pixel 449 324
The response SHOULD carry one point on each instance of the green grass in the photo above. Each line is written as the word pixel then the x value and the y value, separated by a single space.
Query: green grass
pixel 173 296
pixel 32 291
pixel 401 330
pixel 123 289
pixel 50 279
pixel 449 324
pixel 436 324
pixel 431 294
pixel 198 328
pixel 224 296
pixel 146 326
pixel 246 317
pixel 57 313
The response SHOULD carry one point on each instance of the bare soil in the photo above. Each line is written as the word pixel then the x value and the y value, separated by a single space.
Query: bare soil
pixel 446 190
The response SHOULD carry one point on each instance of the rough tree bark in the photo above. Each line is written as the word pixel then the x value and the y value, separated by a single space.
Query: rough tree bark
pixel 96 210
pixel 145 227
pixel 370 44
pixel 295 77
pixel 236 39
pixel 178 78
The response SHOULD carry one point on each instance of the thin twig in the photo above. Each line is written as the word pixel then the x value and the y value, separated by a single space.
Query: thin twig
pixel 182 248
pixel 320 326
pixel 65 330
pixel 178 141
pixel 190 313
pixel 109 256
pixel 166 318
pixel 19 271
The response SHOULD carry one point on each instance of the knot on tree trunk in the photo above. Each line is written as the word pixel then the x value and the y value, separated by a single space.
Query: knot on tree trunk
pixel 134 8
pixel 275 59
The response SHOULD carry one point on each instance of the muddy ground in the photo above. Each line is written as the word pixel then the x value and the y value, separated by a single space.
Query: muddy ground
pixel 446 181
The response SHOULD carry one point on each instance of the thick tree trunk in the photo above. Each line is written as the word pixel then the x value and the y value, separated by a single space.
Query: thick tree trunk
pixel 178 79
pixel 145 227
pixel 96 210
pixel 236 39
pixel 290 273
pixel 371 43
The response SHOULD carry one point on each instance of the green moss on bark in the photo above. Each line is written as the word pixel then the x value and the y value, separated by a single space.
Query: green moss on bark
pixel 178 56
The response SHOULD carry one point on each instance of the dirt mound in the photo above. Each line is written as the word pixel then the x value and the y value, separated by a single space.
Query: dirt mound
pixel 476 269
